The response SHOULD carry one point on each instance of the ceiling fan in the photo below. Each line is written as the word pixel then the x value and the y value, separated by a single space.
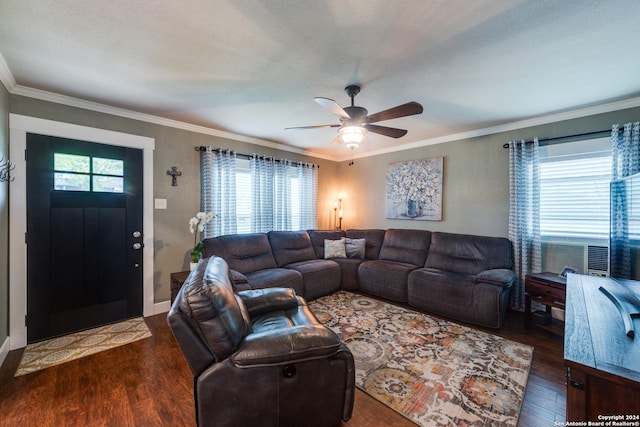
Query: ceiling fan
pixel 355 123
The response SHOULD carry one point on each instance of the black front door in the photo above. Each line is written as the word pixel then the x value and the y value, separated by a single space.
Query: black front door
pixel 84 235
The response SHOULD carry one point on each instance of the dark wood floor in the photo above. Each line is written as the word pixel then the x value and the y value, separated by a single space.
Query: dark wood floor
pixel 148 383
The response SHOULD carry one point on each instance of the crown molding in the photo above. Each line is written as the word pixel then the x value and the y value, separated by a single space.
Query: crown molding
pixel 5 75
pixel 134 115
pixel 542 120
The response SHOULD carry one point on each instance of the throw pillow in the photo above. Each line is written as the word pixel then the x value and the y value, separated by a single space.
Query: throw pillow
pixel 355 248
pixel 334 249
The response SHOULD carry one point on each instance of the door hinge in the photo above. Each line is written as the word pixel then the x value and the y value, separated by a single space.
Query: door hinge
pixel 26 320
pixel 25 154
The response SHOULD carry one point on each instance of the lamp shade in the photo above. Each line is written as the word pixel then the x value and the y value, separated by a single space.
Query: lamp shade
pixel 352 136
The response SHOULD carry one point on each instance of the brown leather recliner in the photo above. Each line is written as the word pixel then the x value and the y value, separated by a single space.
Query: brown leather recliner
pixel 259 357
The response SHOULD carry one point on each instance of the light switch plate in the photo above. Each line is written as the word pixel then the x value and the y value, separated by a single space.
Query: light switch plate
pixel 161 203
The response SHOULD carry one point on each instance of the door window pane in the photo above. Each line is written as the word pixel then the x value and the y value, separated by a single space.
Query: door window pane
pixel 85 173
pixel 71 182
pixel 70 163
pixel 108 166
pixel 107 184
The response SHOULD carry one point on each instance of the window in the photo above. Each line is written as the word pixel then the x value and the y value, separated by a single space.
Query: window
pixel 574 190
pixel 248 214
pixel 85 173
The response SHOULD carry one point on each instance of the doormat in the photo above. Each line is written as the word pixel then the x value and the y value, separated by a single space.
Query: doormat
pixel 432 371
pixel 63 349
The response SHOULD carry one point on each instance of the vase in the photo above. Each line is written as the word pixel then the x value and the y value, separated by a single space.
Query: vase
pixel 412 208
pixel 192 265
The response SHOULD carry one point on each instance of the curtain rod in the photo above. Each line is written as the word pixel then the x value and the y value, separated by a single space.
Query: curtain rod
pixel 249 156
pixel 566 137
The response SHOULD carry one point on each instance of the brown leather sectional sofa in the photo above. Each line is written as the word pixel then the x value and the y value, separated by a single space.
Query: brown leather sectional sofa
pixel 460 276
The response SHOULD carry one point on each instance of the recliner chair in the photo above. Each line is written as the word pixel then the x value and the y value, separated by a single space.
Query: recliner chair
pixel 259 357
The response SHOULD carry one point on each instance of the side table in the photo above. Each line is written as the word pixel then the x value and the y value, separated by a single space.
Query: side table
pixel 548 289
pixel 177 280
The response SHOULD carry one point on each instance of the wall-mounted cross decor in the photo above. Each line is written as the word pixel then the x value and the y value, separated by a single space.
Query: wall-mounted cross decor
pixel 174 173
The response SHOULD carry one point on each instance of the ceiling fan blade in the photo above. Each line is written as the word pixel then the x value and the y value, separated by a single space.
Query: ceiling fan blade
pixel 408 109
pixel 313 127
pixel 336 141
pixel 386 131
pixel 332 106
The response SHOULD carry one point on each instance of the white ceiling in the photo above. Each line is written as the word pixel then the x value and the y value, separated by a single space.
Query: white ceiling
pixel 252 67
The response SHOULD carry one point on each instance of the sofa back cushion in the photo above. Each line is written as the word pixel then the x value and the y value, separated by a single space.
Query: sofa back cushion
pixel 319 236
pixel 409 246
pixel 373 240
pixel 218 315
pixel 245 253
pixel 291 246
pixel 468 254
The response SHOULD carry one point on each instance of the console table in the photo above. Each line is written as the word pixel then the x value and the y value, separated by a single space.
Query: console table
pixel 548 289
pixel 602 361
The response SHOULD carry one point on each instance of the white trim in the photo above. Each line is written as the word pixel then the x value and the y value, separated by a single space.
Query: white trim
pixel 19 126
pixel 161 307
pixel 543 120
pixel 4 350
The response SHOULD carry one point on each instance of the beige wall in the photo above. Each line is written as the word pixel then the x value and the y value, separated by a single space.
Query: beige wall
pixel 475 187
pixel 174 147
pixel 4 219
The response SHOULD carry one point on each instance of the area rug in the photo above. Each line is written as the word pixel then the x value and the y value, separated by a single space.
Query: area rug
pixel 63 349
pixel 434 372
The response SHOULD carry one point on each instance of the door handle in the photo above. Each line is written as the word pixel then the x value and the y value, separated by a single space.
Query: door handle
pixel 137 246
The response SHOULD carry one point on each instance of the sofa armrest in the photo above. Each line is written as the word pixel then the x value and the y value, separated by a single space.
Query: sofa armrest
pixel 259 301
pixel 286 345
pixel 497 276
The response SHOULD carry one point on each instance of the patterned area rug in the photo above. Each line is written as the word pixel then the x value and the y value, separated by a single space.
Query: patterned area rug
pixel 63 349
pixel 432 371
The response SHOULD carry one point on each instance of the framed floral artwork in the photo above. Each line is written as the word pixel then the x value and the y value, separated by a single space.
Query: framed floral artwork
pixel 414 190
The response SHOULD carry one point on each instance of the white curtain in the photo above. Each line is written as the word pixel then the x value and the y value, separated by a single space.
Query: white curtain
pixel 524 214
pixel 218 190
pixel 282 195
pixel 625 153
pixel 262 193
pixel 308 182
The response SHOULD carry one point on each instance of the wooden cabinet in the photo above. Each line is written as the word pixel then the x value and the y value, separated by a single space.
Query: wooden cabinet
pixel 548 289
pixel 603 363
pixel 177 280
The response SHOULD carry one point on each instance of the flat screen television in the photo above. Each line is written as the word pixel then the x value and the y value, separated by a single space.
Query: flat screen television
pixel 624 242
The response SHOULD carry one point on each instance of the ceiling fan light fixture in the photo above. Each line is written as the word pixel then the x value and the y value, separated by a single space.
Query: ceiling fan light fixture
pixel 352 136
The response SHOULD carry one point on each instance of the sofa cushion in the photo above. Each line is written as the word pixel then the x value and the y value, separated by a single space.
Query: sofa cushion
pixel 386 279
pixel 373 240
pixel 334 249
pixel 244 253
pixel 319 236
pixel 276 277
pixel 355 248
pixel 458 296
pixel 468 254
pixel 404 245
pixel 319 277
pixel 290 246
pixel 213 309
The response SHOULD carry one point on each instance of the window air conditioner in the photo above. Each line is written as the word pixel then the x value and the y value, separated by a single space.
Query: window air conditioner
pixel 597 260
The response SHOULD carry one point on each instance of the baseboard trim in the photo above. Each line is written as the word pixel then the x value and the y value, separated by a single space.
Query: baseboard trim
pixel 161 307
pixel 4 350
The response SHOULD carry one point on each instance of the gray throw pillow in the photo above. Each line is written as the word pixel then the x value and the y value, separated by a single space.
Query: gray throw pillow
pixel 355 248
pixel 334 249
